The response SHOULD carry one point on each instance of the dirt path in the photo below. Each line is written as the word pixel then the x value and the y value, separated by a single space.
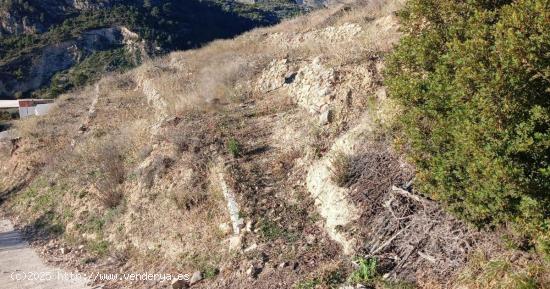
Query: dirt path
pixel 19 261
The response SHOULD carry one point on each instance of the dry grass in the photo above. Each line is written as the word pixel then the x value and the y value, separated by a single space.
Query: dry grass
pixel 107 157
pixel 207 77
pixel 342 169
pixel 507 271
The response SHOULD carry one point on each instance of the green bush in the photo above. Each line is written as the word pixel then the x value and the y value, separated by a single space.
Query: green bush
pixel 234 147
pixel 365 273
pixel 473 77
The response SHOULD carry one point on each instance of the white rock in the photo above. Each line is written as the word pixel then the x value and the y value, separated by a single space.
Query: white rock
pixel 274 76
pixel 251 248
pixel 314 84
pixel 248 226
pixel 224 228
pixel 253 271
pixel 235 243
pixel 196 277
pixel 326 117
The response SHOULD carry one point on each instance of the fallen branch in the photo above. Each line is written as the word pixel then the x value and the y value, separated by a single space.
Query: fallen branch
pixel 389 240
pixel 427 257
pixel 407 194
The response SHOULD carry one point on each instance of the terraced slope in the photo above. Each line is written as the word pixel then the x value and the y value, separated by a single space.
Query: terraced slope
pixel 264 161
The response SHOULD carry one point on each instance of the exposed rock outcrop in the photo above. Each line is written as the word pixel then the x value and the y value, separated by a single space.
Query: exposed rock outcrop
pixel 44 63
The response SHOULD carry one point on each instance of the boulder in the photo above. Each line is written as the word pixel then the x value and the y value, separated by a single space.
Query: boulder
pixel 326 117
pixel 196 277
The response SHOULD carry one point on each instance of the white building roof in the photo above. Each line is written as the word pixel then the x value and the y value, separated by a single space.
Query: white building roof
pixel 9 103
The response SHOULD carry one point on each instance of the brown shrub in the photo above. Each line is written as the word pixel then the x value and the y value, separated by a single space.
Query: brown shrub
pixel 194 192
pixel 342 169
pixel 375 168
pixel 105 159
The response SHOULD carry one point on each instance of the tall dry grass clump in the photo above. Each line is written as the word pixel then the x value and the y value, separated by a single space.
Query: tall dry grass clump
pixel 107 173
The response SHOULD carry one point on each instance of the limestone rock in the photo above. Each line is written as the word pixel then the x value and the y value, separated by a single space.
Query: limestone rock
pixel 224 228
pixel 235 243
pixel 274 76
pixel 326 117
pixel 314 86
pixel 196 277
pixel 253 271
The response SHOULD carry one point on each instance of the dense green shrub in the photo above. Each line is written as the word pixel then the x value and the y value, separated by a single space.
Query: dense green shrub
pixel 473 77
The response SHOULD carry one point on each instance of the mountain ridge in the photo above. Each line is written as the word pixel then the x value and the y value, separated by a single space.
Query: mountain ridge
pixel 161 27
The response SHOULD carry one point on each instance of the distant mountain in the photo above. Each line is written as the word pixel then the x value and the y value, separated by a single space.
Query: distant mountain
pixel 48 47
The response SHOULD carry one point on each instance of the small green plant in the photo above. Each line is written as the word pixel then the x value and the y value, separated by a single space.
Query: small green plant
pixel 94 224
pixel 341 173
pixel 307 284
pixel 483 272
pixel 234 147
pixel 325 279
pixel 366 271
pixel 333 278
pixel 99 247
pixel 210 271
pixel 271 230
pixel 43 202
pixel 18 73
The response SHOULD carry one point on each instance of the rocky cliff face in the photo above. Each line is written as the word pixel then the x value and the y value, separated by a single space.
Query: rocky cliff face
pixel 41 65
pixel 41 38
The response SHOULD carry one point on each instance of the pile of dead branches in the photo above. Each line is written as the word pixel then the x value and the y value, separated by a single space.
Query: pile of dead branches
pixel 410 235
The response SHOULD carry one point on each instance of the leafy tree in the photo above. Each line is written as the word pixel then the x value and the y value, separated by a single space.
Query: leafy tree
pixel 473 76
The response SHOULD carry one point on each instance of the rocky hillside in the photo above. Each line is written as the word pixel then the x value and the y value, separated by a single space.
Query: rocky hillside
pixel 263 161
pixel 49 47
pixel 32 17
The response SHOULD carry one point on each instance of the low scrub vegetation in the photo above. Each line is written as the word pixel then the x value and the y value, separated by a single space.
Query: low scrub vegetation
pixel 342 169
pixel 473 79
pixel 90 70
pixel 109 171
pixel 366 271
pixel 504 272
pixel 234 147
